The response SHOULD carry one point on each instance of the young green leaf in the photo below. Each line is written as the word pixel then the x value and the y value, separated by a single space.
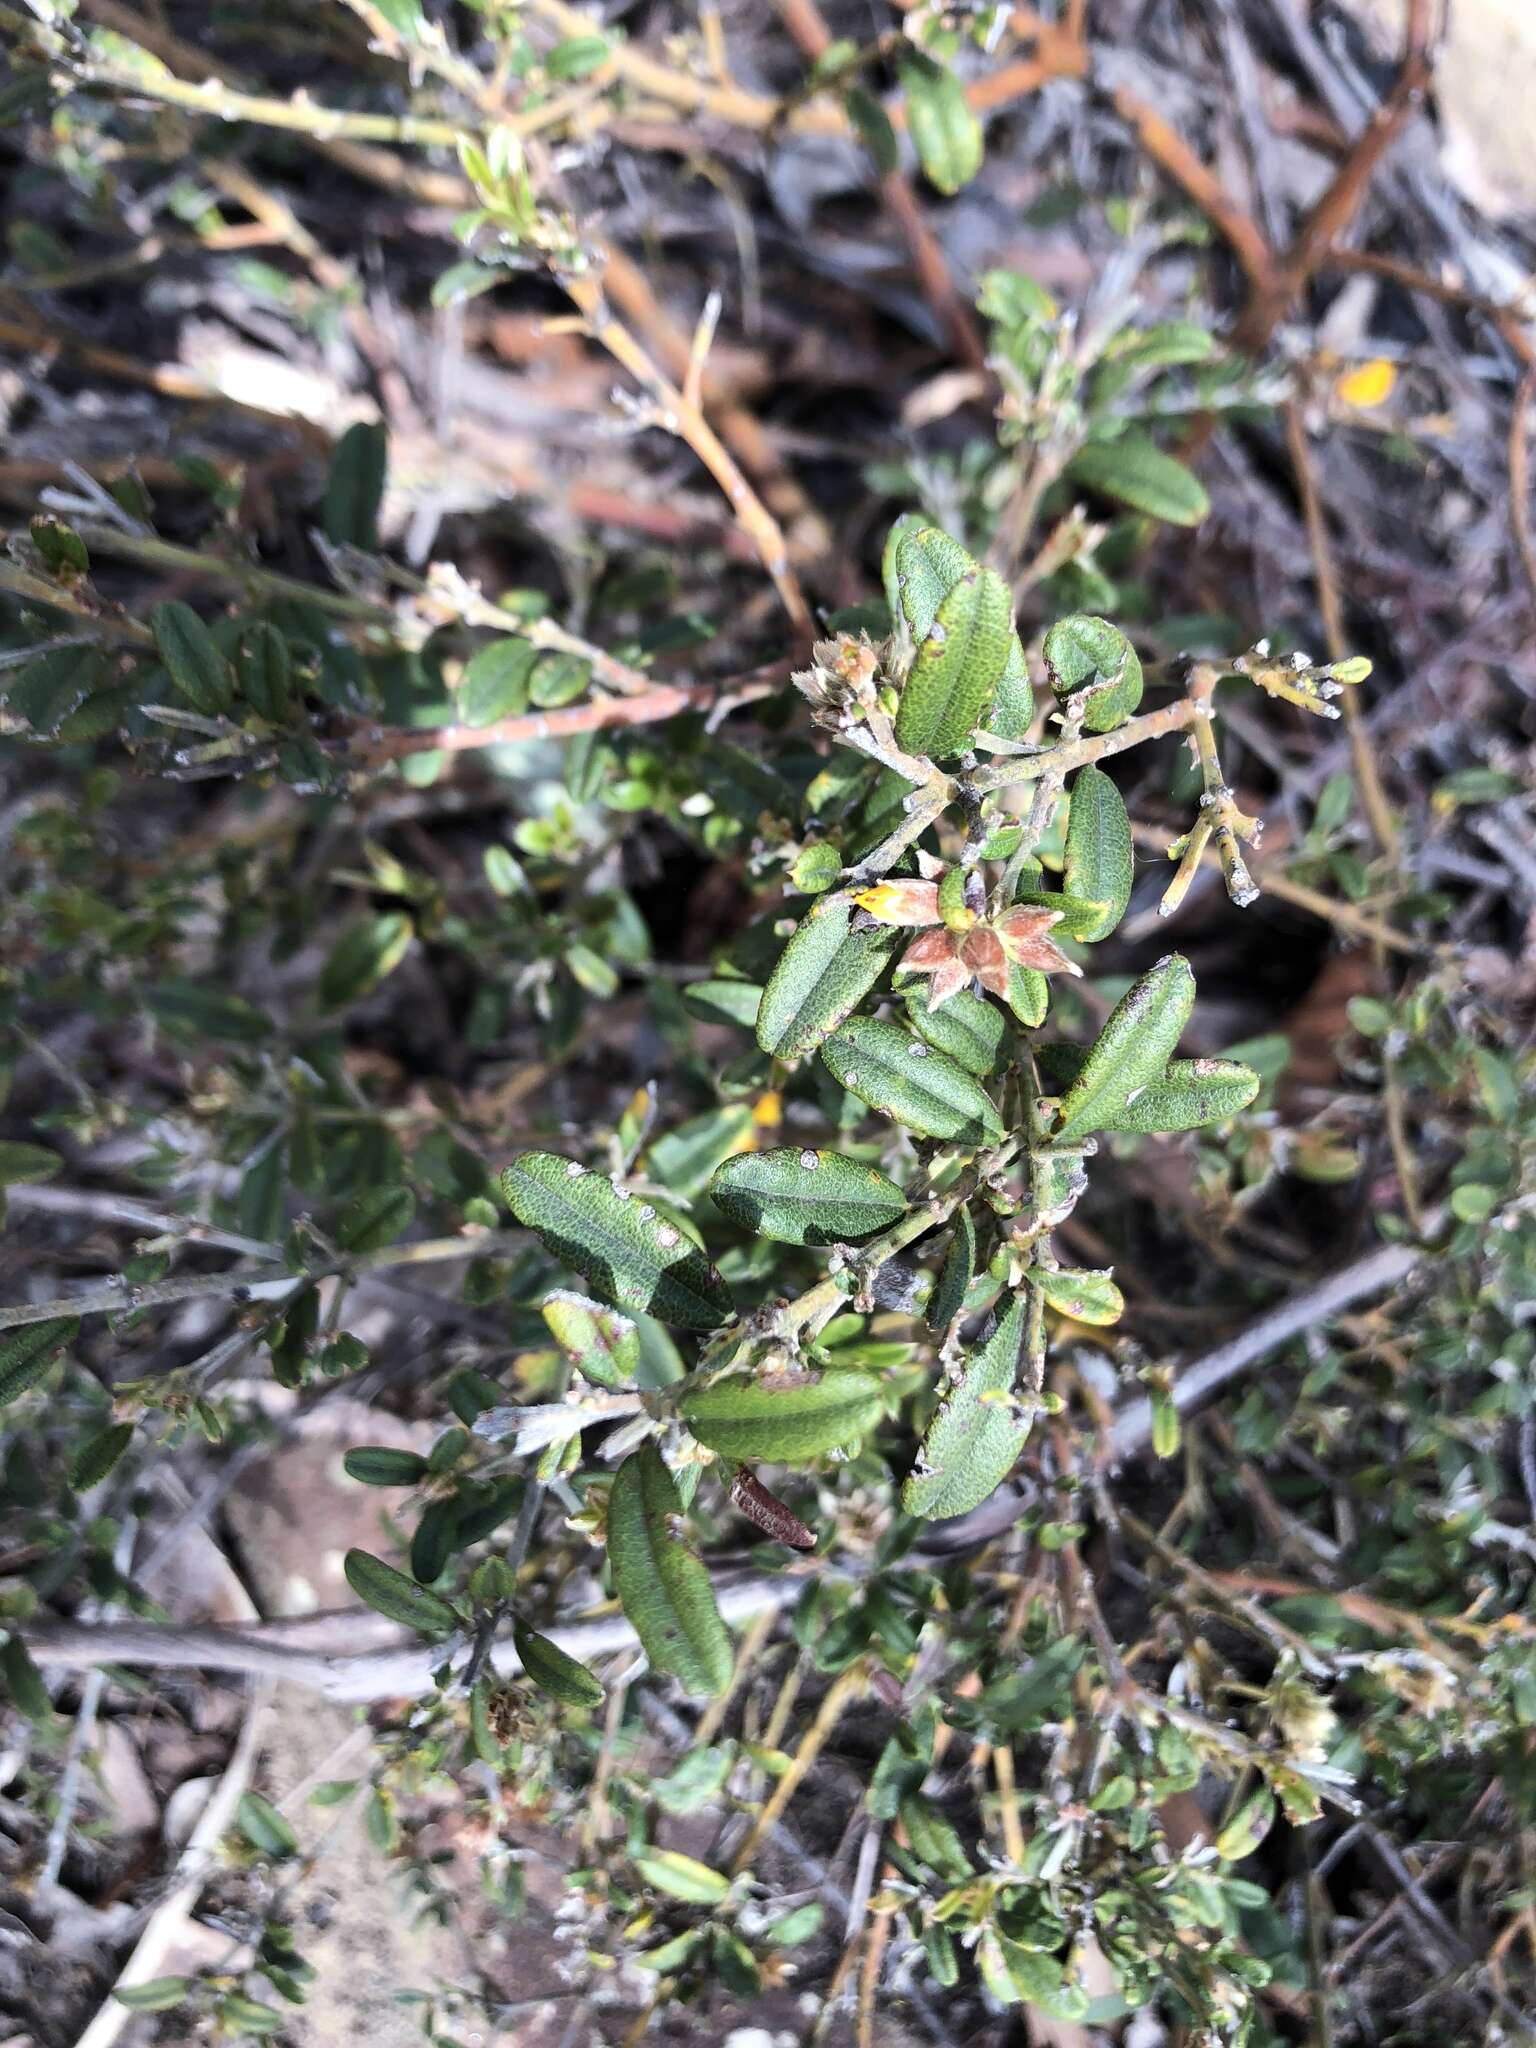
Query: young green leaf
pixel 824 971
pixel 681 1877
pixel 1131 1051
pixel 364 957
pixel 264 1827
pixel 494 684
pixel 1089 655
pixel 192 655
pixel 23 1165
pixel 380 1465
pixel 603 1346
pixel 967 1028
pixel 1099 865
pixel 638 1260
pixel 98 1454
pixel 1013 708
pixel 920 567
pixel 1135 470
pixel 375 1218
pixel 27 1353
pixel 806 1197
pixel 1086 1297
pixel 975 1438
pixel 192 1011
pixel 957 668
pixel 945 133
pixel 23 1681
pixel 783 1420
pixel 156 1994
pixel 724 1002
pixel 1189 1094
pixel 265 669
pixel 553 1671
pixel 390 1593
pixel 662 1586
pixel 355 487
pixel 907 1079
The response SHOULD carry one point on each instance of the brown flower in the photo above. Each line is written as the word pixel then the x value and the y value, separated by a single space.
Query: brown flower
pixel 987 953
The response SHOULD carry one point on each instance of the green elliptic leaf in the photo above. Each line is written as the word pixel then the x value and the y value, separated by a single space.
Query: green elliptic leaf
pixel 783 1420
pixel 921 566
pixel 1086 1297
pixel 603 1346
pixel 23 1681
pixel 1131 1051
pixel 824 971
pixel 1135 470
pixel 27 1353
pixel 957 667
pixel 1029 994
pixel 974 1440
pixel 193 1011
pixel 192 655
pixel 379 1465
pixel 907 1079
pixel 98 1454
pixel 156 1994
pixel 945 132
pixel 1099 863
pixel 724 1002
pixel 494 684
pixel 682 1877
pixel 968 1028
pixel 1189 1094
pixel 266 672
pixel 555 1672
pixel 806 1197
pixel 955 1275
pixel 874 126
pixel 23 1165
pixel 355 487
pixel 390 1593
pixel 375 1218
pixel 47 691
pixel 1084 653
pixel 662 1586
pixel 639 1261
pixel 1013 708
pixel 364 957
pixel 264 1827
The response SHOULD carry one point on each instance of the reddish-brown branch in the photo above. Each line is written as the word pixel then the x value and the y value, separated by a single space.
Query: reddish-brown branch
pixel 1520 479
pixel 1174 157
pixel 371 746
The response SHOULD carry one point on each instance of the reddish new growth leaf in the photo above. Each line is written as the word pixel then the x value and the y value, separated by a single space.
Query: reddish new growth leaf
pixel 769 1512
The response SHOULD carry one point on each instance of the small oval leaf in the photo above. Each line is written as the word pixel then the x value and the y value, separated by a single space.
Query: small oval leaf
pixel 805 1196
pixel 640 1261
pixel 967 1027
pixel 1090 655
pixel 1135 470
pixel 553 1671
pixel 494 684
pixel 824 971
pixel 907 1079
pixel 379 1465
pixel 975 1438
pixel 957 667
pixel 1131 1051
pixel 364 957
pixel 682 1877
pixel 390 1593
pixel 1099 863
pixel 1086 1297
pixel 945 132
pixel 26 1354
pixel 662 1586
pixel 603 1346
pixel 192 655
pixel 784 1420
pixel 98 1454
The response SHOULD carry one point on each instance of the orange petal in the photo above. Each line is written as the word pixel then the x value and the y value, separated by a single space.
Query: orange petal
pixel 901 903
